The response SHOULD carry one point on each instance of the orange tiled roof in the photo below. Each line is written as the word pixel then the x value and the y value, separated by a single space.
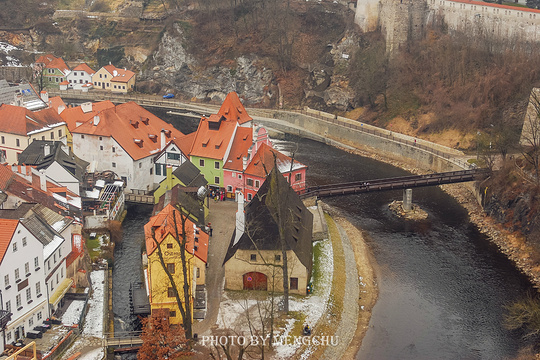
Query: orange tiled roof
pixel 481 3
pixel 233 109
pixel 122 75
pixel 19 120
pixel 59 64
pixel 136 129
pixel 6 176
pixel 84 67
pixel 7 228
pixel 75 115
pixel 265 156
pixel 55 102
pixel 210 143
pixel 163 224
pixel 45 59
pixel 241 143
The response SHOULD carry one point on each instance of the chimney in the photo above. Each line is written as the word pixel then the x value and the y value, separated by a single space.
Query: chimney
pixel 244 163
pixel 240 217
pixel 42 180
pixel 86 107
pixel 163 140
pixel 96 120
pixel 45 96
pixel 46 149
pixel 61 108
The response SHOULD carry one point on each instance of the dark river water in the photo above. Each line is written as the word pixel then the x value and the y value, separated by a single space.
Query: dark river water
pixel 442 285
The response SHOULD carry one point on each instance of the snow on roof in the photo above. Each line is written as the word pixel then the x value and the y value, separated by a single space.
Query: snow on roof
pixel 59 225
pixel 94 194
pixel 51 247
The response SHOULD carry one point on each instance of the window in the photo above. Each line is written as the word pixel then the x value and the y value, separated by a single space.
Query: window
pixel 43 138
pixel 277 258
pixel 151 171
pixel 113 164
pixel 249 182
pixel 8 305
pixel 57 280
pixel 105 76
pixel 250 196
pixel 173 156
pixel 253 257
pixel 28 294
pixel 298 177
pixel 18 142
pixel 27 269
pixel 6 280
pixel 8 336
pixel 14 247
pixel 18 301
pixel 60 253
pixel 100 147
pixel 198 272
pixel 170 292
pixel 24 241
pixel 52 135
pixel 113 149
pixel 239 176
pixel 3 140
pixel 38 290
pixel 201 162
pixel 52 287
pixel 257 183
pixel 158 169
pixel 170 268
pixel 17 275
pixel 216 164
pixel 54 257
pixel 100 138
pixel 39 316
pixel 49 264
pixel 229 188
pixel 36 263
pixel 101 76
pixel 140 165
pixel 169 246
pixel 82 136
pixel 61 272
pixel 294 284
pixel 216 179
pixel 60 133
pixel 172 313
pixel 31 322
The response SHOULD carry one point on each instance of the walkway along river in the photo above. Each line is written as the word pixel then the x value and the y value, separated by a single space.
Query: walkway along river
pixel 442 285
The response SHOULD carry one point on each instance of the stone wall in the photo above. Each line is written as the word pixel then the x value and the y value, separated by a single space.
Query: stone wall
pixel 400 20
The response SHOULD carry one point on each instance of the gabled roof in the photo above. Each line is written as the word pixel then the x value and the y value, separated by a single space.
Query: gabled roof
pixel 179 198
pixel 212 137
pixel 118 74
pixel 34 155
pixel 40 229
pixel 55 102
pixel 242 141
pixel 233 109
pixel 84 67
pixel 134 128
pixel 163 224
pixel 7 229
pixel 21 121
pixel 263 225
pixel 75 115
pixel 190 175
pixel 59 64
pixel 263 162
pixel 6 176
pixel 45 59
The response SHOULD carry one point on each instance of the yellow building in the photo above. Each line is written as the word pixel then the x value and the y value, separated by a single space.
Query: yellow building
pixel 160 233
pixel 114 79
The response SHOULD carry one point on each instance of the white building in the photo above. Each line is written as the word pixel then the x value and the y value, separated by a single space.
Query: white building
pixel 79 76
pixel 24 292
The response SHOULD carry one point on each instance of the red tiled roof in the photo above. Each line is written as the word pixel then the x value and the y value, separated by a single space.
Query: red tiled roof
pixel 7 228
pixel 163 224
pixel 84 67
pixel 481 3
pixel 55 102
pixel 130 125
pixel 241 143
pixel 212 144
pixel 45 59
pixel 265 156
pixel 233 109
pixel 59 64
pixel 19 120
pixel 75 115
pixel 122 75
pixel 6 176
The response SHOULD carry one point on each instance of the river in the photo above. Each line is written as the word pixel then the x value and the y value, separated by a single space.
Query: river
pixel 442 285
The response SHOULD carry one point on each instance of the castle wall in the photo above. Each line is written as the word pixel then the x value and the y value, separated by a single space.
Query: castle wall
pixel 402 20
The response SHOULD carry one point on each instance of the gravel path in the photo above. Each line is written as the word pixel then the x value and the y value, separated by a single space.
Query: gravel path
pixel 349 317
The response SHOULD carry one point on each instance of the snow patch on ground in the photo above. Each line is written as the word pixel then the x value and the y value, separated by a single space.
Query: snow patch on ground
pixel 96 354
pixel 73 313
pixel 93 324
pixel 5 47
pixel 232 313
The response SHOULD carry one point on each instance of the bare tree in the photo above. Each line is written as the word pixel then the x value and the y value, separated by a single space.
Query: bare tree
pixel 530 136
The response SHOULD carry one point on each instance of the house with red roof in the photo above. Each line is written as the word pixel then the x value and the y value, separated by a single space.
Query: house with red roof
pixel 160 234
pixel 114 79
pixel 79 76
pixel 126 139
pixel 19 126
pixel 24 289
pixel 54 72
pixel 262 163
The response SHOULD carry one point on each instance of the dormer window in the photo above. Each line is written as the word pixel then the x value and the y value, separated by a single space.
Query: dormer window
pixel 135 123
pixel 146 121
pixel 153 137
pixel 205 143
pixel 167 133
pixel 138 142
